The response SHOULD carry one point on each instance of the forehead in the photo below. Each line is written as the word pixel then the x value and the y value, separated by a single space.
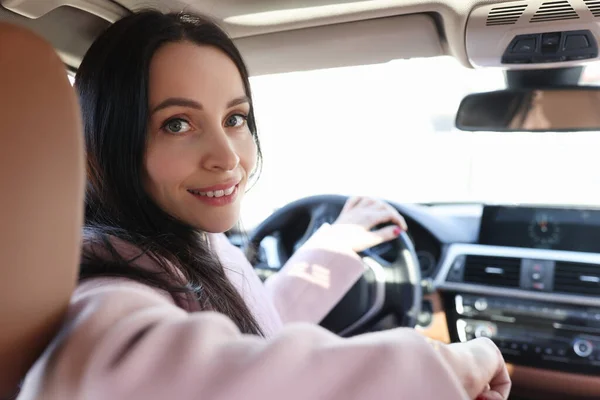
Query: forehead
pixel 201 73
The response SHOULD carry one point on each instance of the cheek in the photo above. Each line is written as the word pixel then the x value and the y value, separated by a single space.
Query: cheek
pixel 165 172
pixel 247 152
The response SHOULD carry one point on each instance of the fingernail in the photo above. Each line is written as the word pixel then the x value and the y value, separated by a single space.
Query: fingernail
pixel 397 230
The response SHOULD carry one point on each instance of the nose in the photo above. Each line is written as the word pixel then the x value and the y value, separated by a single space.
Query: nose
pixel 221 154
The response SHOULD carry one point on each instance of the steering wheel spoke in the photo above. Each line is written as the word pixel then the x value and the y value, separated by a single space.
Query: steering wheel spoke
pixel 320 215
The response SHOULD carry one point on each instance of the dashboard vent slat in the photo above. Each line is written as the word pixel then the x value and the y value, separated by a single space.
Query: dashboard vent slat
pixel 493 271
pixel 507 15
pixel 593 6
pixel 555 11
pixel 577 278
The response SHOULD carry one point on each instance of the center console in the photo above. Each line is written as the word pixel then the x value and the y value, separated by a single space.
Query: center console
pixel 531 333
pixel 531 284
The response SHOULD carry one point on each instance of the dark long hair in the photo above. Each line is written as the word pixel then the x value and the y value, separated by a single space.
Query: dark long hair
pixel 112 83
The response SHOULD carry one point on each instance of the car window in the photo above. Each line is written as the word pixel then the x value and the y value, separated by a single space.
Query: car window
pixel 387 130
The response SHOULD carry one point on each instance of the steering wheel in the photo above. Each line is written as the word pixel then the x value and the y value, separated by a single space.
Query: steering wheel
pixel 388 287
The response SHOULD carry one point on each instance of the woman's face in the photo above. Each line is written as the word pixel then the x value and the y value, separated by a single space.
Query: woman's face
pixel 200 151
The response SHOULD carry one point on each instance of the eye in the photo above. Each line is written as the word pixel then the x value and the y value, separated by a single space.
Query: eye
pixel 177 126
pixel 236 121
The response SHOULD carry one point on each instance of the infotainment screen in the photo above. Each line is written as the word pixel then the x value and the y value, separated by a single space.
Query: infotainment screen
pixel 541 227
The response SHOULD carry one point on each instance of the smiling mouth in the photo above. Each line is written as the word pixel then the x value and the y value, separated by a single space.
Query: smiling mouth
pixel 215 193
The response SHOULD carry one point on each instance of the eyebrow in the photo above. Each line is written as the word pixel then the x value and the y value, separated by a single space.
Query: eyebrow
pixel 183 102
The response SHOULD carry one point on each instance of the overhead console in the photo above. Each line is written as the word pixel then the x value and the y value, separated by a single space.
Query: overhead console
pixel 533 33
pixel 551 47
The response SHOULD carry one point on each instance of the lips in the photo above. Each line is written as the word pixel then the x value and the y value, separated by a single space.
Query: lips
pixel 217 198
pixel 215 193
pixel 219 190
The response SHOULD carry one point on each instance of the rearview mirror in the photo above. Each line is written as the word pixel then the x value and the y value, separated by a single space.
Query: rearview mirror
pixel 531 110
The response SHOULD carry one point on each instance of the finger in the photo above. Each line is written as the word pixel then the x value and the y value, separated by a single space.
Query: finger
pixel 499 378
pixel 397 218
pixel 365 202
pixel 388 233
pixel 394 215
pixel 41 151
pixel 377 217
pixel 491 395
pixel 351 203
pixel 501 382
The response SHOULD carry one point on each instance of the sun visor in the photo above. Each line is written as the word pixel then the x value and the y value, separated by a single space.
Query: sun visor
pixel 534 34
pixel 340 45
pixel 108 10
pixel 69 30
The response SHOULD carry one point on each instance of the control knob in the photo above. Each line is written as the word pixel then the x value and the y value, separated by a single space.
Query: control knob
pixel 484 330
pixel 583 348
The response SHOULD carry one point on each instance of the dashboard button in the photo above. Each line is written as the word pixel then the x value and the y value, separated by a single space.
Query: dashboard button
pixel 550 39
pixel 538 285
pixel 583 348
pixel 576 42
pixel 484 330
pixel 524 46
pixel 481 304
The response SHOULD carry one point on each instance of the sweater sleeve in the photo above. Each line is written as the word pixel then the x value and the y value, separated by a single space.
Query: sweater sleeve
pixel 315 278
pixel 124 340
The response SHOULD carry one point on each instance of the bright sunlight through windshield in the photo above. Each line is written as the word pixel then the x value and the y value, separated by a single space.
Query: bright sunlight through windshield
pixel 387 130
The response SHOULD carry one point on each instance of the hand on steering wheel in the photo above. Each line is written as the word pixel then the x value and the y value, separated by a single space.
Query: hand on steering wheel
pixel 361 214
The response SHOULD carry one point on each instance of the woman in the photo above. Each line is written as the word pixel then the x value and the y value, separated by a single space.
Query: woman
pixel 41 185
pixel 171 144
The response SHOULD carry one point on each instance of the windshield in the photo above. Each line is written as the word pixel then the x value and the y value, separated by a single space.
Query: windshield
pixel 387 130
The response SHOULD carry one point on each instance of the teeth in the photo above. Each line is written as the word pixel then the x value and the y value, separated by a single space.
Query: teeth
pixel 216 193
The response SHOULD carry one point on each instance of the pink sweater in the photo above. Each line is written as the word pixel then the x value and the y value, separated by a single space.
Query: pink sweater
pixel 125 340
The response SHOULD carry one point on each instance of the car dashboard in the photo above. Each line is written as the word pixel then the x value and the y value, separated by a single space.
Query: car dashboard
pixel 527 277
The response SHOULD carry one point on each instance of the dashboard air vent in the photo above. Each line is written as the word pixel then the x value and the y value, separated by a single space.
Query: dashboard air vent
pixel 554 11
pixel 577 278
pixel 507 15
pixel 493 271
pixel 593 6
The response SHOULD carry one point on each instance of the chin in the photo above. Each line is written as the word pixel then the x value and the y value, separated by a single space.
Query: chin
pixel 217 225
